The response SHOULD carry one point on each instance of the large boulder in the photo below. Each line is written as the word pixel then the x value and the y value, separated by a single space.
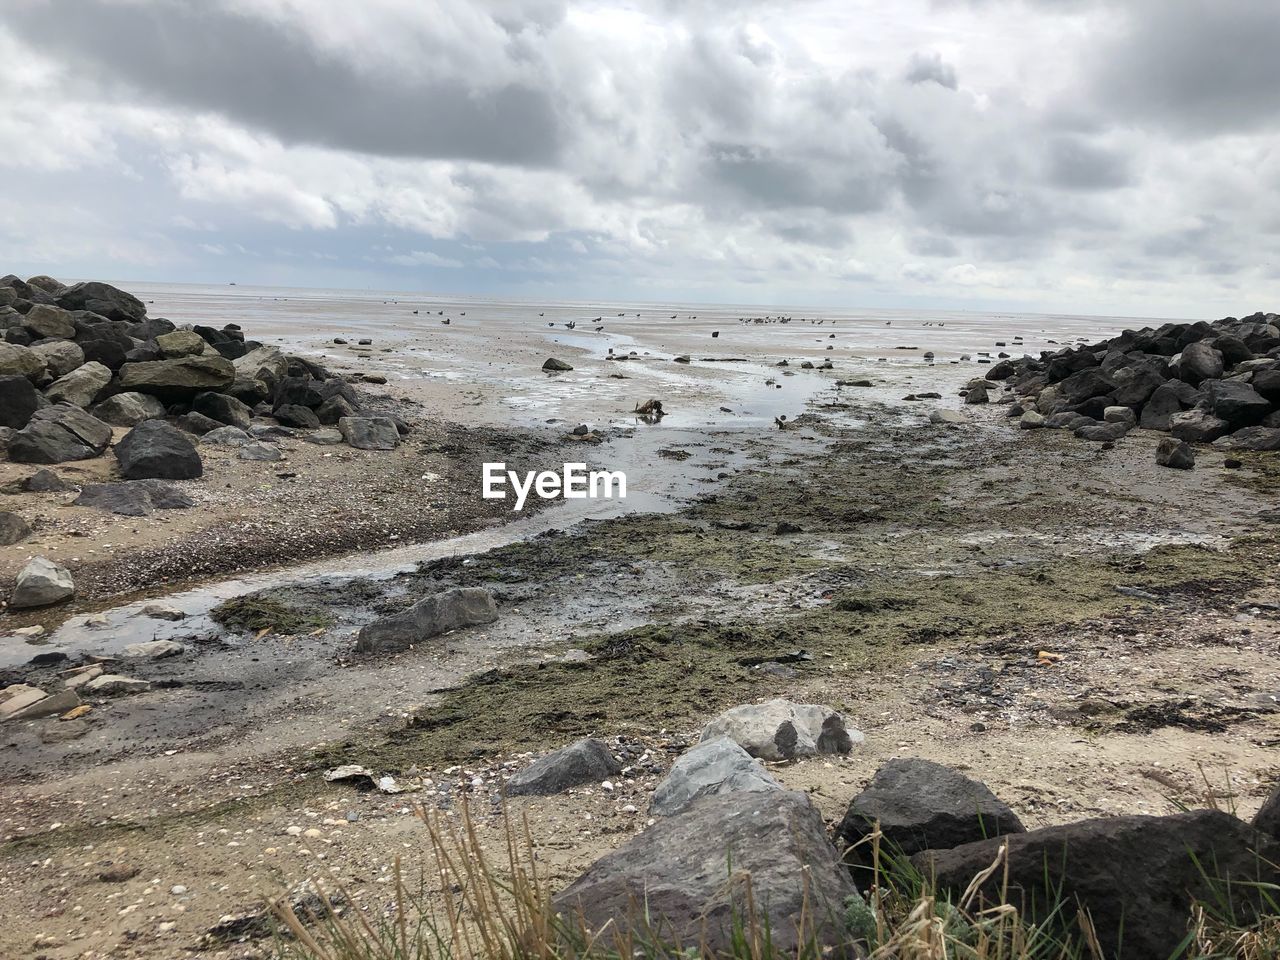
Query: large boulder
pixel 297 391
pixel 712 767
pixel 1251 438
pixel 1197 426
pixel 44 321
pixel 17 360
pixel 694 877
pixel 369 433
pixel 782 730
pixel 1160 406
pixel 922 805
pixel 267 364
pixel 552 365
pixel 429 617
pixel 18 401
pixel 12 528
pixel 156 449
pixel 1174 453
pixel 1235 402
pixel 1085 385
pixel 180 343
pixel 59 433
pixel 104 300
pixel 296 415
pixel 224 409
pixel 178 379
pixel 1134 385
pixel 129 409
pixel 587 761
pixel 1136 876
pixel 1200 362
pixel 41 583
pixel 81 386
pixel 60 356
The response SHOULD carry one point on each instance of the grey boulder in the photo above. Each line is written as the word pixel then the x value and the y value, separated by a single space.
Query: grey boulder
pixel 1251 438
pixel 1200 362
pixel 224 409
pixel 429 617
pixel 257 450
pixel 44 320
pixel 81 386
pixel 1175 453
pixel 712 767
pixel 177 379
pixel 1197 426
pixel 782 730
pixel 41 583
pixel 693 877
pixel 226 437
pixel 104 300
pixel 18 401
pixel 155 449
pixel 19 361
pixel 12 528
pixel 59 433
pixel 583 762
pixel 369 433
pixel 129 409
pixel 60 356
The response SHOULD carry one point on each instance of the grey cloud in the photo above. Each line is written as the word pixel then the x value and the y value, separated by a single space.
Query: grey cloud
pixel 773 179
pixel 932 246
pixel 1076 164
pixel 200 56
pixel 930 68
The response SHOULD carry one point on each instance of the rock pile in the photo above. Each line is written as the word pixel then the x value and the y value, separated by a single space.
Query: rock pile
pixel 76 361
pixel 1200 382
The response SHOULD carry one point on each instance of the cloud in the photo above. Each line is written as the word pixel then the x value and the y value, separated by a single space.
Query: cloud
pixel 930 68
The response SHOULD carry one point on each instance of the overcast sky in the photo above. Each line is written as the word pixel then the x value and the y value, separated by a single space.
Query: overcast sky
pixel 1070 155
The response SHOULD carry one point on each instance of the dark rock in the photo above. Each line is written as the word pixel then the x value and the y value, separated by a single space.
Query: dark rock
pixel 1102 432
pixel 1175 453
pixel 297 391
pixel 1235 402
pixel 106 352
pixel 369 433
pixel 429 617
pixel 59 433
pixel 713 767
pixel 921 805
pixel 124 499
pixel 12 528
pixel 334 409
pixel 1197 426
pixel 694 876
pixel 222 408
pixel 975 395
pixel 1251 438
pixel 104 299
pixel 46 481
pixel 1268 818
pixel 257 450
pixel 1135 385
pixel 248 392
pixel 1162 404
pixel 1085 384
pixel 1200 362
pixel 1136 876
pixel 587 761
pixel 1233 350
pixel 198 423
pixel 1267 383
pixel 178 379
pixel 155 449
pixel 558 366
pixel 295 415
pixel 18 401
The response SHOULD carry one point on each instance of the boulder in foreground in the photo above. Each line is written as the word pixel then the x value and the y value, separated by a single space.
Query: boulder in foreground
pixel 587 761
pixel 922 805
pixel 429 617
pixel 41 583
pixel 155 449
pixel 782 730
pixel 59 433
pixel 695 874
pixel 1136 876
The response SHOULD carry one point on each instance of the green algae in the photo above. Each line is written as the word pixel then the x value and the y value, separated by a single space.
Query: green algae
pixel 268 611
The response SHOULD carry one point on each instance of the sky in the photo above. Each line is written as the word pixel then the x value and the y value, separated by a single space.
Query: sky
pixel 1082 156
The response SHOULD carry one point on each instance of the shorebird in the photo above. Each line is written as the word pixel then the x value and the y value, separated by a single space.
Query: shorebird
pixel 445 321
pixel 571 324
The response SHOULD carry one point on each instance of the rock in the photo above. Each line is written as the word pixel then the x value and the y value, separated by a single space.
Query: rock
pixel 1134 385
pixel 18 401
pixel 164 495
pixel 226 437
pixel 1197 426
pixel 257 450
pixel 12 528
pixel 155 449
pixel 712 767
pixel 1031 420
pixel 224 409
pixel 180 343
pixel 1267 383
pixel 129 409
pixel 369 433
pixel 197 423
pixel 587 761
pixel 921 805
pixel 48 284
pixel 1160 406
pixel 19 361
pixel 1102 431
pixel 178 379
pixel 690 874
pixel 782 730
pixel 109 353
pixel 41 583
pixel 114 685
pixel 1235 402
pixel 1200 362
pixel 298 392
pixel 1251 438
pixel 45 321
pixel 1175 453
pixel 155 649
pixel 124 499
pixel 324 438
pixel 946 416
pixel 59 433
pixel 103 299
pixel 248 392
pixel 976 395
pixel 55 703
pixel 1137 876
pixel 559 366
pixel 266 364
pixel 1085 385
pixel 1267 819
pixel 296 415
pixel 429 617
pixel 46 481
pixel 81 386
pixel 1118 414
pixel 60 356
pixel 334 409
pixel 18 697
pixel 162 611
